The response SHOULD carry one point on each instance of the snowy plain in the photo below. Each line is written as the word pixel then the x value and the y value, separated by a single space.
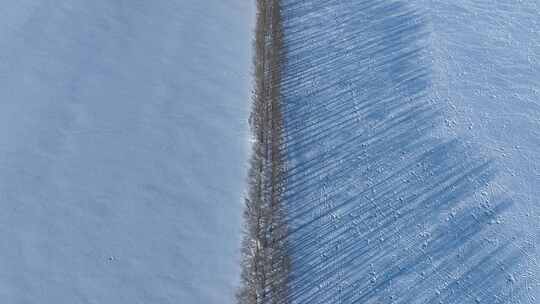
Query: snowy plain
pixel 123 149
pixel 413 143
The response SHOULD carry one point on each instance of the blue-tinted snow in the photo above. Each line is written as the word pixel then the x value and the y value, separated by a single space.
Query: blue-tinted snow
pixel 412 132
pixel 123 146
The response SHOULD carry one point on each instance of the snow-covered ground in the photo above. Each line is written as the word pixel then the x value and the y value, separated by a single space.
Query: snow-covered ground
pixel 486 60
pixel 123 149
pixel 413 140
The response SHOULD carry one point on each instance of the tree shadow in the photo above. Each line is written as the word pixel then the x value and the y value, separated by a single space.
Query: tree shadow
pixel 381 210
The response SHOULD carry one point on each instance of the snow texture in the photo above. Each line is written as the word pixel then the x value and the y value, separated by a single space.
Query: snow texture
pixel 123 149
pixel 413 143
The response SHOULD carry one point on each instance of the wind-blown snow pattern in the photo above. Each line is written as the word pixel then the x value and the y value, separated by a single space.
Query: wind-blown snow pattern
pixel 123 149
pixel 412 141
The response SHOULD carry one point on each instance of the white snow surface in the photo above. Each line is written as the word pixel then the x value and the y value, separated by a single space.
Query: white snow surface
pixel 123 149
pixel 486 60
pixel 413 140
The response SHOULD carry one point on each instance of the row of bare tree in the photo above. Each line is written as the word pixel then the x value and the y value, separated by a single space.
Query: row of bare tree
pixel 265 261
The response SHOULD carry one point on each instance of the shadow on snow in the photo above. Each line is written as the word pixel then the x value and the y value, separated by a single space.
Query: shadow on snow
pixel 380 210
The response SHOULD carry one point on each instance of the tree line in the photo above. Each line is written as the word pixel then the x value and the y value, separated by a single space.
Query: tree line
pixel 265 260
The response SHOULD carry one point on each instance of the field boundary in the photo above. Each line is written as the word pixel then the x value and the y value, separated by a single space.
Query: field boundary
pixel 265 260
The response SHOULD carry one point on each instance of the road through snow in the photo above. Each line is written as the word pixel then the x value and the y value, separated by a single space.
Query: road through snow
pixel 412 142
pixel 123 149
